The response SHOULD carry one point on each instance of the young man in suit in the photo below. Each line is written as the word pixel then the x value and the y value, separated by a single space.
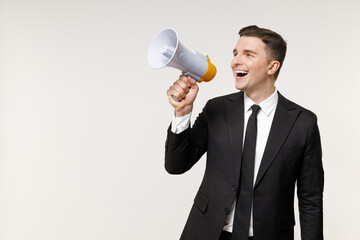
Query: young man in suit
pixel 259 145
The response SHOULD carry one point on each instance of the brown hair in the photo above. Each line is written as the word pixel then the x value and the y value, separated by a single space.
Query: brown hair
pixel 275 44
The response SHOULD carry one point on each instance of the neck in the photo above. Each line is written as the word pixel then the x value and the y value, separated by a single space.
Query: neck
pixel 259 96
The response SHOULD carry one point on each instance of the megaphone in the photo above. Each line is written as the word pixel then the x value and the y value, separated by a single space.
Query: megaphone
pixel 167 50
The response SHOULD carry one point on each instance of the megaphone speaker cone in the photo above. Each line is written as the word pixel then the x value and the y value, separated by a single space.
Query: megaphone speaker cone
pixel 167 50
pixel 162 49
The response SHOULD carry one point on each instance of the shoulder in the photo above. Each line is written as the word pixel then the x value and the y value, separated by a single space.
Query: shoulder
pixel 305 113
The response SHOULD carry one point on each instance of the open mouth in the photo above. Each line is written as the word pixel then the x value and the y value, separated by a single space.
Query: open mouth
pixel 241 73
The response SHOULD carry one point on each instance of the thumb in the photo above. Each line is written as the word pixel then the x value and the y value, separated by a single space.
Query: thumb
pixel 192 82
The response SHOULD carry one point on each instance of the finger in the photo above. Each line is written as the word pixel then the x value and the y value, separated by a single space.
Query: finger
pixel 180 86
pixel 183 78
pixel 180 90
pixel 184 85
pixel 193 84
pixel 173 93
pixel 173 101
pixel 191 81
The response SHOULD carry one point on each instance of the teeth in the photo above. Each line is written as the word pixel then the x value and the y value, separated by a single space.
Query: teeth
pixel 240 73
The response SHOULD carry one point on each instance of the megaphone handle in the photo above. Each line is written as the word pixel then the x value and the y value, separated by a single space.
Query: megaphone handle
pixel 193 76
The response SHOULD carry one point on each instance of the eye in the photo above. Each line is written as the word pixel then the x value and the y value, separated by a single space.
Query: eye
pixel 249 55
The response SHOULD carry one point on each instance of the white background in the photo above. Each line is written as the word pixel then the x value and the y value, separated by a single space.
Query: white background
pixel 83 117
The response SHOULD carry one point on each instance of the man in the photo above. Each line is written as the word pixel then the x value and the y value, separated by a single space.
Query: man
pixel 258 144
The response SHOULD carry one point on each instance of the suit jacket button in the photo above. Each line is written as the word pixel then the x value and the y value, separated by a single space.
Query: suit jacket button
pixel 234 188
pixel 226 211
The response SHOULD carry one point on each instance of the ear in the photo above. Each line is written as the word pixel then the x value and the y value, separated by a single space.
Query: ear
pixel 273 67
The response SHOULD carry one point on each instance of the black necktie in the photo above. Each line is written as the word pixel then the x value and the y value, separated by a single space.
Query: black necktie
pixel 245 194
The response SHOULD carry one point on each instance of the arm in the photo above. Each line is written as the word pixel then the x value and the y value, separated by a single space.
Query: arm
pixel 310 187
pixel 183 150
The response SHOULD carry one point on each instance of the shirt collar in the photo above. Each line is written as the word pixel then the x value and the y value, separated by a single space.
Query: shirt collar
pixel 267 106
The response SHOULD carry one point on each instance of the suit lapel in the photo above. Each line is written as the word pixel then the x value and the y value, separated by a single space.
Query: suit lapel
pixel 283 121
pixel 235 122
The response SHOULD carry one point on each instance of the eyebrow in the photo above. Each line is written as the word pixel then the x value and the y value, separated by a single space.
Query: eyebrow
pixel 245 50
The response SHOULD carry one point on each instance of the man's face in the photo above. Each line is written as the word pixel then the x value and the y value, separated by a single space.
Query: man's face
pixel 250 65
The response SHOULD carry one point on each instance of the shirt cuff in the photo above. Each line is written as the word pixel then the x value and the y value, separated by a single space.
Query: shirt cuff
pixel 180 124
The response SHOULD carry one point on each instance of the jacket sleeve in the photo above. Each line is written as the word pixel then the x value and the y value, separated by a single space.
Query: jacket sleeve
pixel 183 150
pixel 310 186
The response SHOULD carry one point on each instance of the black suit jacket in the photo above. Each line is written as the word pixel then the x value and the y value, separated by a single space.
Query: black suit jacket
pixel 292 155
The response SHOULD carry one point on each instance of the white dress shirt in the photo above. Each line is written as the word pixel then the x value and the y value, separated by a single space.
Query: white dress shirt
pixel 264 121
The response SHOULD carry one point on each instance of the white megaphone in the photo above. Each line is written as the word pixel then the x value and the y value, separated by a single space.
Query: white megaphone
pixel 166 50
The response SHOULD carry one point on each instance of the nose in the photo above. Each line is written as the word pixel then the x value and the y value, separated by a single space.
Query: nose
pixel 236 61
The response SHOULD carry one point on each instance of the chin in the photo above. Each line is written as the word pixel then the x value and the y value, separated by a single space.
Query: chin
pixel 239 86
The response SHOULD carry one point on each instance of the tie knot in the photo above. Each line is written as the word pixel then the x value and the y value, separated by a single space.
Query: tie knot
pixel 255 108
